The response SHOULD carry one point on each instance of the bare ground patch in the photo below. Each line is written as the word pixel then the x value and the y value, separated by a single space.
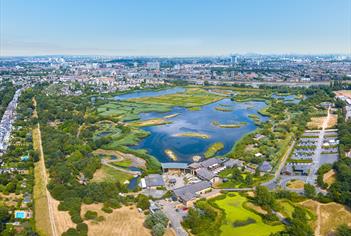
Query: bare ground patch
pixel 329 216
pixel 125 221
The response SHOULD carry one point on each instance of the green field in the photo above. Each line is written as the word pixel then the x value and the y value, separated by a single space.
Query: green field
pixel 128 110
pixel 234 210
pixel 123 163
pixel 192 97
pixel 111 175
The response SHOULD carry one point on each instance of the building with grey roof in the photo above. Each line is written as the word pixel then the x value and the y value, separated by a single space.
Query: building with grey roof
pixel 205 174
pixel 190 192
pixel 265 167
pixel 153 180
pixel 174 166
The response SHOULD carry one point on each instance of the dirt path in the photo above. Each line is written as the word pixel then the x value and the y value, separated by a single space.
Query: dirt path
pixel 317 231
pixel 45 182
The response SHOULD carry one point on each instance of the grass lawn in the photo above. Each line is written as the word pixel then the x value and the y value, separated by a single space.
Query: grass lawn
pixel 287 208
pixel 124 163
pixel 108 174
pixel 234 210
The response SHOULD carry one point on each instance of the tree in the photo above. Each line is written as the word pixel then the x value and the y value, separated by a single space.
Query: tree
pixel 155 218
pixel 298 224
pixel 143 202
pixel 264 198
pixel 309 190
pixel 158 230
pixel 343 230
pixel 4 217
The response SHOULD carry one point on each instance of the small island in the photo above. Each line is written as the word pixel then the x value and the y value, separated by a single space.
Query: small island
pixel 171 116
pixel 213 149
pixel 151 122
pixel 221 108
pixel 193 134
pixel 171 154
pixel 233 125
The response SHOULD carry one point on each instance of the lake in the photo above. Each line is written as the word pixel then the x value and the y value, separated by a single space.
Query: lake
pixel 163 137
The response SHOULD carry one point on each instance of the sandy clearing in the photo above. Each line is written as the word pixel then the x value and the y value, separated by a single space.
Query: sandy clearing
pixel 329 177
pixel 329 216
pixel 317 122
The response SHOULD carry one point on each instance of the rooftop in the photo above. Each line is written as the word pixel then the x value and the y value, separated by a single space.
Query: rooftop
pixel 174 165
pixel 188 192
pixel 154 180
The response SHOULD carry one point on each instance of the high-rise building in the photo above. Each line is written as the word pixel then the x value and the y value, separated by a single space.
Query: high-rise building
pixel 233 59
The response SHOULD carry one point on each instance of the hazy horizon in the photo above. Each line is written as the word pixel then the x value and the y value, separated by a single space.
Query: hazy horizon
pixel 174 29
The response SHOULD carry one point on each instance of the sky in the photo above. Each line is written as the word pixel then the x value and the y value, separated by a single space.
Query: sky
pixel 174 27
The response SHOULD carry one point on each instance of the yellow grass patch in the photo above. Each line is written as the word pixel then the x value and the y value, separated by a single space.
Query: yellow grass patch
pixel 295 184
pixel 329 216
pixel 126 221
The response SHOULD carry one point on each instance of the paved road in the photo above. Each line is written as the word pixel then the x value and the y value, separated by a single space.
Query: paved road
pixel 107 163
pixel 7 120
pixel 169 209
pixel 273 182
pixel 316 158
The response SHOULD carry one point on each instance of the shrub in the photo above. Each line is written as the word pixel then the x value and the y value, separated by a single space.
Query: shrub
pixel 239 223
pixel 107 209
pixel 82 228
pixel 71 232
pixel 90 215
pixel 76 218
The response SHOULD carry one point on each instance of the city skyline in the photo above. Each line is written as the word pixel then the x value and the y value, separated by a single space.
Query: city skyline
pixel 157 28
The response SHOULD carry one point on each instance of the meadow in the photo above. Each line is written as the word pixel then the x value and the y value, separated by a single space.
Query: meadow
pixel 192 97
pixel 235 211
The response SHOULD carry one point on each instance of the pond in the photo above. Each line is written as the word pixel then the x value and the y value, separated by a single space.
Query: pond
pixel 222 112
pixel 287 98
pixel 133 183
pixel 140 94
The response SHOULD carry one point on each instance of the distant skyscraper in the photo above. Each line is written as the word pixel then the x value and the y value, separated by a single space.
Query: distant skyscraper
pixel 233 59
